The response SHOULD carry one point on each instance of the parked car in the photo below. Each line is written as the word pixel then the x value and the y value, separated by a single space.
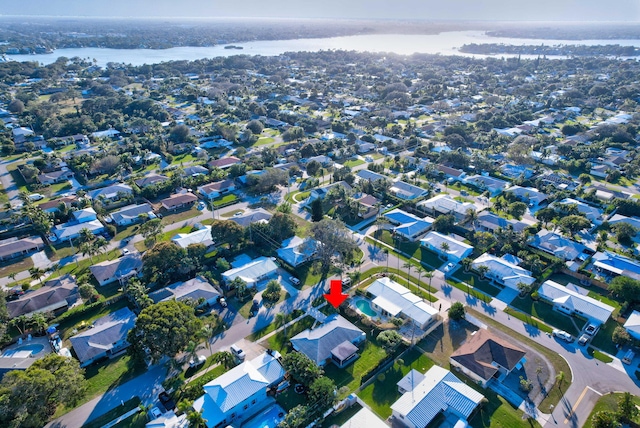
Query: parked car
pixel 561 334
pixel 448 267
pixel 346 281
pixel 237 352
pixel 36 197
pixel 201 205
pixel 294 280
pixel 167 401
pixel 591 330
pixel 222 301
pixel 198 361
pixel 154 413
pixel 125 251
pixel 584 339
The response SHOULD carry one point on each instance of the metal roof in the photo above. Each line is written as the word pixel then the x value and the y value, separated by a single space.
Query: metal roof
pixel 587 306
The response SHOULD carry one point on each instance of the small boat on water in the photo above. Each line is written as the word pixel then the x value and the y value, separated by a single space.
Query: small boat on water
pixel 233 47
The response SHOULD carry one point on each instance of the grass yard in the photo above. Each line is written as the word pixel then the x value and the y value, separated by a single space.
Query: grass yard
pixel 15 266
pixel 354 162
pixel 82 267
pixel 599 355
pixel 381 394
pixel 230 214
pixel 81 320
pixel 105 376
pixel 4 198
pixel 113 414
pixel 290 399
pixel 474 280
pixel 256 335
pixel 163 237
pixel 280 340
pixel 471 291
pixel 609 402
pixel 126 232
pixel 445 339
pixel 181 216
pixel 264 140
pixel 225 200
pixel 602 340
pixel 413 249
pixel 61 251
pixel 342 417
pixel 526 318
pixel 497 412
pixel 370 355
pixel 544 312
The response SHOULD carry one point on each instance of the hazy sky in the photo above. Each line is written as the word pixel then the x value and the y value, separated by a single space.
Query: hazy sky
pixel 529 10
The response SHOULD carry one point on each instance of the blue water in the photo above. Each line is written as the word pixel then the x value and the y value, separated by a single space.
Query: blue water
pixel 35 348
pixel 268 418
pixel 365 308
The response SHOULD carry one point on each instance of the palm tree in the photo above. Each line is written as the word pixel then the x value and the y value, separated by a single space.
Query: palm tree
pixel 445 249
pixel 430 276
pixel 386 253
pixel 36 273
pixel 12 276
pixel 407 266
pixel 420 270
pixel 482 270
pixel 86 235
pixel 466 264
pixel 196 420
pixel 471 217
pixel 560 379
pixel 224 358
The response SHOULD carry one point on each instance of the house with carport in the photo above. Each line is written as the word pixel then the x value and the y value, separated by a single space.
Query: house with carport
pixel 193 289
pixel 253 272
pixel 632 325
pixel 573 300
pixel 56 296
pixel 120 269
pixel 455 250
pixel 503 271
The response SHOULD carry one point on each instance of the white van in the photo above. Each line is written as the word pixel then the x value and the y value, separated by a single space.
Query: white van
pixel 628 357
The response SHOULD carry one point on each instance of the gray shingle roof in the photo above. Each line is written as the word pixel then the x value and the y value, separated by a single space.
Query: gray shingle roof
pixel 56 294
pixel 318 343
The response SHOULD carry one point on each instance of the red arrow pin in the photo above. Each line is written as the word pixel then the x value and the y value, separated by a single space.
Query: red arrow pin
pixel 335 296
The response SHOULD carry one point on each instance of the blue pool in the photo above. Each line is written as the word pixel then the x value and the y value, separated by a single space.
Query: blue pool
pixel 24 350
pixel 267 418
pixel 365 308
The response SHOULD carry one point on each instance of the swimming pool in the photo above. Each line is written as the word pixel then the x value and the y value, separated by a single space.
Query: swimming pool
pixel 365 308
pixel 24 351
pixel 268 418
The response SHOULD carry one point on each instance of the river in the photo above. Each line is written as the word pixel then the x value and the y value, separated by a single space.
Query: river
pixel 446 43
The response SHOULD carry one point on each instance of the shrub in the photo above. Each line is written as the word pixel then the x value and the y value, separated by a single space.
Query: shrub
pixel 456 312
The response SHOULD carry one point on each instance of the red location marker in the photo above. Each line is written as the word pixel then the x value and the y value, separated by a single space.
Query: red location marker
pixel 335 296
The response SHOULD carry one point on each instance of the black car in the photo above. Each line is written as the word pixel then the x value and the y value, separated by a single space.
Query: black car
pixel 167 401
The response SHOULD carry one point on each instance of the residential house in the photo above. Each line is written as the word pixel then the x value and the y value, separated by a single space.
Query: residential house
pixel 485 356
pixel 296 251
pixel 56 295
pixel 132 214
pixel 120 269
pixel 105 339
pixel 259 215
pixel 502 271
pixel 394 300
pixel 150 179
pixel 321 192
pixel 224 163
pixel 111 193
pixel 619 218
pixel 368 206
pixel 408 225
pixel 241 392
pixel 179 201
pixel 559 246
pixel 109 133
pixel 610 265
pixel 334 341
pixel 252 272
pixel 12 248
pixel 215 190
pixel 53 177
pixel 632 325
pixel 194 289
pixel 424 396
pixel 516 171
pixel 600 170
pixel 325 161
pixel 574 300
pixel 85 215
pixel 455 250
pixel 53 205
pixel 407 191
pixel 452 174
pixel 490 222
pixel 169 420
pixel 444 204
pixel 493 185
pixel 72 229
pixel 593 214
pixel 528 195
pixel 200 236
pixel 195 170
pixel 364 418
pixel 367 175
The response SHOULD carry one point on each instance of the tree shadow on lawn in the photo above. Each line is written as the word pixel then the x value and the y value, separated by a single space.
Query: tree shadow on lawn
pixel 385 392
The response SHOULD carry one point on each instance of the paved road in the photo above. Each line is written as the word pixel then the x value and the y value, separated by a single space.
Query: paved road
pixel 7 182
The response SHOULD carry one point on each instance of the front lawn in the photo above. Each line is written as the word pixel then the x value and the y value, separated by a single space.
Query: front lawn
pixel 225 200
pixel 15 266
pixel 272 327
pixel 354 162
pixel 280 340
pixel 381 394
pixel 413 249
pixel 602 340
pixel 370 354
pixel 609 402
pixel 180 216
pixel 544 312
pixel 474 280
pixel 113 414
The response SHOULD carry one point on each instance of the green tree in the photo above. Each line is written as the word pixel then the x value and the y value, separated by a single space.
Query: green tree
pixel 87 292
pixel 196 420
pixel 322 393
pixel 297 417
pixel 484 241
pixel 334 239
pixel 389 339
pixel 517 209
pixel 621 336
pixel 627 408
pixel 151 229
pixel 313 167
pixel 482 270
pixel 456 312
pixel 627 289
pixel 444 223
pixel 224 358
pixel 573 223
pixel 36 273
pixel 164 263
pixel 164 329
pixel 282 226
pixel 317 212
pixel 28 398
pixel 624 233
pixel 273 292
pixel 227 232
pixel 301 367
pixel 605 419
pixel 546 215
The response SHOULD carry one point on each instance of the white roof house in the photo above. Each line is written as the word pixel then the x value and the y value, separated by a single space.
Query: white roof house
pixel 195 288
pixel 169 420
pixel 396 300
pixel 503 271
pixel 492 184
pixel 614 264
pixel 619 218
pixel 438 391
pixel 72 230
pixel 132 214
pixel 364 418
pixel 457 250
pixel 407 191
pixel 445 205
pixel 593 214
pixel 567 300
pixel 201 236
pixel 633 324
pixel 252 272
pixel 407 224
pixel 558 245
pixel 111 192
pixel 240 392
pixel 528 194
pixel 295 250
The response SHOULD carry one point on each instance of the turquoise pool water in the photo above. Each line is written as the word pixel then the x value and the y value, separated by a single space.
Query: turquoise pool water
pixel 268 418
pixel 365 308
pixel 31 349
